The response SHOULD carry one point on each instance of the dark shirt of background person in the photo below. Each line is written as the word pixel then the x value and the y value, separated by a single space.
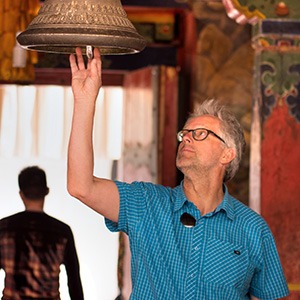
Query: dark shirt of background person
pixel 33 246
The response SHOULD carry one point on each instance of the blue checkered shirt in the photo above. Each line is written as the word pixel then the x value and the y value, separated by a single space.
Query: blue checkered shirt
pixel 229 254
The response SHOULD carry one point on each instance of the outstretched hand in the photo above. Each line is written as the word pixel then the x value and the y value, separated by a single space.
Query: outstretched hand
pixel 86 80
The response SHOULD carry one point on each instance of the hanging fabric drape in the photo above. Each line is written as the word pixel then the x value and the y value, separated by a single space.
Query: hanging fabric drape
pixel 15 16
pixel 36 121
pixel 140 130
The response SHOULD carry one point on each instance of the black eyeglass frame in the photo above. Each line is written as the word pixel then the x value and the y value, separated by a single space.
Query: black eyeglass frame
pixel 180 134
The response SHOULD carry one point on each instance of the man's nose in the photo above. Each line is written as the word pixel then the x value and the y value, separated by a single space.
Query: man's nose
pixel 187 138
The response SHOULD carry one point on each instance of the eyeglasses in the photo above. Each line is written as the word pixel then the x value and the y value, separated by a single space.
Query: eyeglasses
pixel 198 134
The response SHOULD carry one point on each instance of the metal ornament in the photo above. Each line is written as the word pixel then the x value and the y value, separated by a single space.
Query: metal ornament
pixel 63 25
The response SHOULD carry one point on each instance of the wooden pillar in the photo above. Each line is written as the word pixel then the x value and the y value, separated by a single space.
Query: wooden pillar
pixel 275 147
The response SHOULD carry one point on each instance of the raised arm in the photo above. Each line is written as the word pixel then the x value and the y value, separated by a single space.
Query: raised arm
pixel 99 194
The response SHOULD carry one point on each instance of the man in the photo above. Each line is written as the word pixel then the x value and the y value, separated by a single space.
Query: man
pixel 33 245
pixel 193 241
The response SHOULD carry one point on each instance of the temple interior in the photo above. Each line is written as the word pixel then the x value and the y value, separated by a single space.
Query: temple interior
pixel 244 53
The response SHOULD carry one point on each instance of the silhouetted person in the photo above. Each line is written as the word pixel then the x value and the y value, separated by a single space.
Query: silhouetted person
pixel 33 246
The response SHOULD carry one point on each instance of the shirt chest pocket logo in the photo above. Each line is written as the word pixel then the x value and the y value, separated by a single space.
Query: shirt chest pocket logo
pixel 225 263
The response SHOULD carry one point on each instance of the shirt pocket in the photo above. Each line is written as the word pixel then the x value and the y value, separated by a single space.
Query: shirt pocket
pixel 225 263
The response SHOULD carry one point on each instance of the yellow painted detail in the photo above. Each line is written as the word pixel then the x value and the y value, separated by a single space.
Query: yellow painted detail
pixel 244 10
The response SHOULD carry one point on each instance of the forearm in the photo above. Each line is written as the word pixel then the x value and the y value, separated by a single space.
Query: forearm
pixel 80 151
pixel 86 82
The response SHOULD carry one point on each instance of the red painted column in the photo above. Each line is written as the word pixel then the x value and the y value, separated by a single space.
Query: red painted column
pixel 277 97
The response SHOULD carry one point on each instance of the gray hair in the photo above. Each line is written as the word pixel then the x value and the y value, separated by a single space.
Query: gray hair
pixel 230 128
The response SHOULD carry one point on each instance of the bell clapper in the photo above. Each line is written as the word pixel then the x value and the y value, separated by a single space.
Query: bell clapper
pixel 89 52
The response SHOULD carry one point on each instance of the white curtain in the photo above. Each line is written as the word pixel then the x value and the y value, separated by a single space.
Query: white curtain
pixel 35 121
pixel 34 130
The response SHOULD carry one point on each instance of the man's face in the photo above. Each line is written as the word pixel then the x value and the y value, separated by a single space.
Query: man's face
pixel 201 155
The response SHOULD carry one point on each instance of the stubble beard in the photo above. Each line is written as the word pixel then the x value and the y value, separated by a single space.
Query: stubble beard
pixel 185 165
pixel 191 167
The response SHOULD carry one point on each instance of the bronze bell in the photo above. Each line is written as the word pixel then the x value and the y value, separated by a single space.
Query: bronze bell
pixel 63 25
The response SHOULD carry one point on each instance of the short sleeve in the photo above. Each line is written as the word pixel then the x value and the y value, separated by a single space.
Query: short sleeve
pixel 132 206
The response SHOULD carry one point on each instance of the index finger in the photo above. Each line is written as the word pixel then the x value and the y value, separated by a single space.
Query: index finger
pixel 80 61
pixel 73 63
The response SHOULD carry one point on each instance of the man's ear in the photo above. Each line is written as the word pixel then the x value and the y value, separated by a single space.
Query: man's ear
pixel 47 191
pixel 21 195
pixel 228 155
pixel 23 198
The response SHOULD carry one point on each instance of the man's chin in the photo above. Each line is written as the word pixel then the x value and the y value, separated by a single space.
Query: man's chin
pixel 180 165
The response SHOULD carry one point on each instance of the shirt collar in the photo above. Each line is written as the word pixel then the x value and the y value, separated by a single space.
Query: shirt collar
pixel 180 197
pixel 226 205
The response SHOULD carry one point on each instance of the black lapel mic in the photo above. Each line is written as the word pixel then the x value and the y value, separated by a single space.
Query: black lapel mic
pixel 187 220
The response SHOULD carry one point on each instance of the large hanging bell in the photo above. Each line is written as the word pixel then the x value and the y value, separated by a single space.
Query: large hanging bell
pixel 63 25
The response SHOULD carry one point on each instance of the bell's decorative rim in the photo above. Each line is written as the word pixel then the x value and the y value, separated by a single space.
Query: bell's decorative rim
pixel 56 40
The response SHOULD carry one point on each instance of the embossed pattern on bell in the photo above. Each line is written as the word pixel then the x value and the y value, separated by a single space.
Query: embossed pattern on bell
pixel 63 25
pixel 77 12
